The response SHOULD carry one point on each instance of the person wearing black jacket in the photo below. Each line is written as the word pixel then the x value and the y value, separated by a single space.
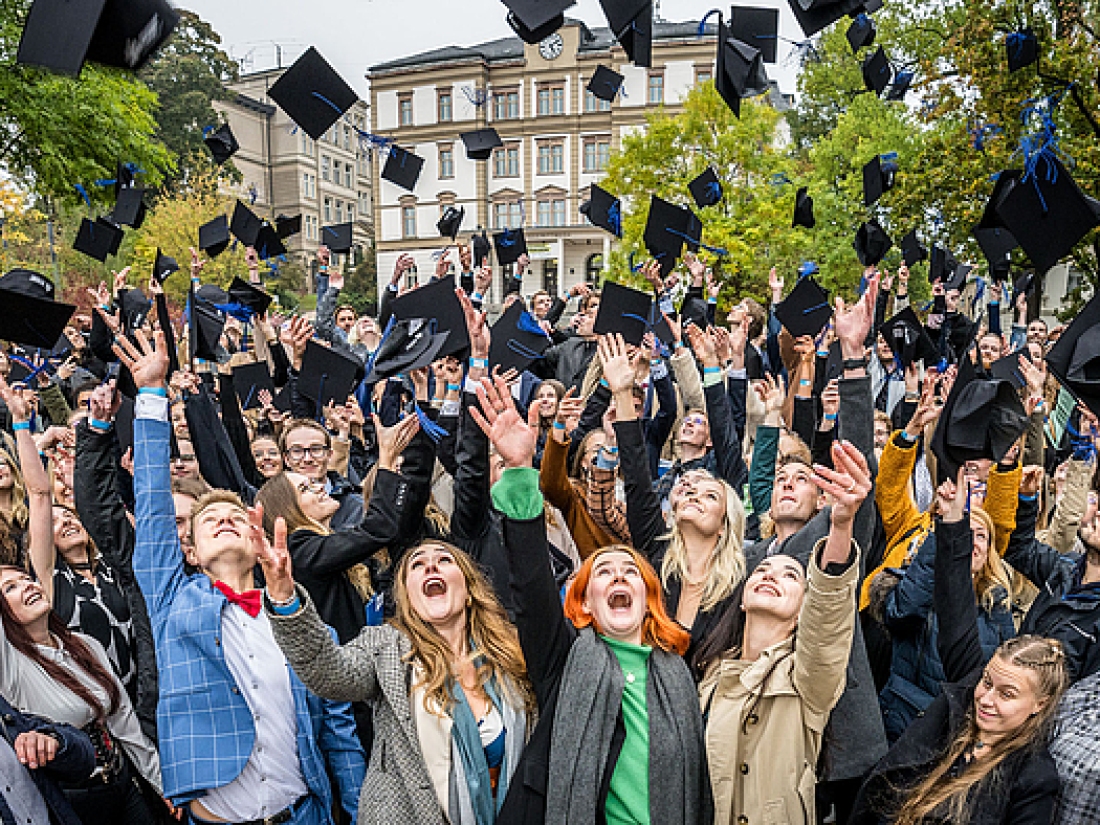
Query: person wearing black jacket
pixel 990 719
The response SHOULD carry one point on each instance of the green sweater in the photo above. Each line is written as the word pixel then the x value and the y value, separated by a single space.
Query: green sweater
pixel 628 797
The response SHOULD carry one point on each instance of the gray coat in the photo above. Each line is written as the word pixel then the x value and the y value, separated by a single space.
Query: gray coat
pixel 398 789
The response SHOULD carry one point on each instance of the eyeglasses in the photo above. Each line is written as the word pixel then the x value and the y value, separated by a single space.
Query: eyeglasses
pixel 315 451
pixel 184 459
pixel 695 420
pixel 315 487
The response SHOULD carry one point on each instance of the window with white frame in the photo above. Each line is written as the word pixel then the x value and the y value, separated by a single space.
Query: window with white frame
pixel 507 215
pixel 326 168
pixel 596 154
pixel 506 160
pixel 445 107
pixel 446 161
pixel 408 221
pixel 656 87
pixel 405 110
pixel 551 157
pixel 328 211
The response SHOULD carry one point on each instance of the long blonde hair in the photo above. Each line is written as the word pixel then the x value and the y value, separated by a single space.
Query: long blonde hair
pixel 494 643
pixel 939 792
pixel 19 515
pixel 727 561
pixel 992 583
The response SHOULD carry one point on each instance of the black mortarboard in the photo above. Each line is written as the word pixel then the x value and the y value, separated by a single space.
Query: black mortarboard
pixel 1022 49
pixel 163 266
pixel 480 248
pixel 666 229
pixel 981 419
pixel 450 223
pixel 605 83
pixel 815 15
pixel 806 310
pixel 509 245
pixel 1075 357
pixel 759 27
pixel 409 344
pixel 1025 285
pixel 31 316
pixel 249 295
pixel 1005 180
pixel 878 177
pixel 861 32
pixel 61 35
pixel 535 20
pixel 1047 213
pixel 739 70
pixel 222 143
pixel 245 225
pixel 912 250
pixel 480 143
pixel 327 374
pixel 997 245
pixel 910 343
pixel 268 242
pixel 97 239
pixel 706 189
pixel 877 72
pixel 205 324
pixel 313 94
pixel 517 340
pixel 958 280
pixel 1008 368
pixel 436 301
pixel 213 294
pixel 631 22
pixel 871 243
pixel 903 79
pixel 630 312
pixel 286 226
pixel 214 236
pixel 134 309
pixel 249 380
pixel 402 167
pixel 129 207
pixel 603 210
pixel 803 209
pixel 942 266
pixel 693 310
pixel 337 238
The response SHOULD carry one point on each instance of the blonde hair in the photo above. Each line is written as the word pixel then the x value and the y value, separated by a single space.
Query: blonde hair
pixel 992 583
pixel 494 644
pixel 727 566
pixel 19 514
pixel 947 796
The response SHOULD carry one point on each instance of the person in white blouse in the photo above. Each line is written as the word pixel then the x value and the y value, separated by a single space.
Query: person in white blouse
pixel 50 671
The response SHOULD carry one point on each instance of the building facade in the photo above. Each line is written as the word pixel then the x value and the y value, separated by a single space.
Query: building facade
pixel 285 172
pixel 557 141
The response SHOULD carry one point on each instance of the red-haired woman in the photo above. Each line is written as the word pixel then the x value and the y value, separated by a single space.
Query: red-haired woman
pixel 620 735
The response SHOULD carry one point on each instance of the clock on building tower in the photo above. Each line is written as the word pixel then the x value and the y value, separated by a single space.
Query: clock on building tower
pixel 551 47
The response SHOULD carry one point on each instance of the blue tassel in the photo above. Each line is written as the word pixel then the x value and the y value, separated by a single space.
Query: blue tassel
pixel 1083 448
pixel 716 250
pixel 714 192
pixel 780 179
pixel 1041 147
pixel 435 432
pixel 635 267
pixel 615 218
pixel 80 190
pixel 979 292
pixel 236 310
pixel 477 97
pixel 808 268
pixel 701 32
pixel 980 135
pixel 529 324
pixel 808 310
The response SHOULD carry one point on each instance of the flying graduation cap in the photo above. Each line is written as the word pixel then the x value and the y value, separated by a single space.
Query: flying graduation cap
pixel 286 226
pixel 1022 49
pixel 31 316
pixel 402 167
pixel 250 296
pixel 878 177
pixel 129 207
pixel 631 22
pixel 861 33
pixel 222 143
pixel 603 210
pixel 806 310
pixel 877 72
pixel 1075 357
pixel 450 223
pixel 815 15
pixel 605 83
pixel 996 244
pixel 803 209
pixel 912 250
pixel 739 69
pixel 510 245
pixel 535 20
pixel 667 228
pixel 163 266
pixel 437 301
pixel 871 243
pixel 631 313
pixel 97 239
pixel 517 340
pixel 214 236
pixel 759 27
pixel 327 375
pixel 338 238
pixel 313 94
pixel 480 143
pixel 706 189
pixel 908 339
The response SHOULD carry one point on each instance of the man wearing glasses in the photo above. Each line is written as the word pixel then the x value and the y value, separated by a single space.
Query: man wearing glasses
pixel 307 449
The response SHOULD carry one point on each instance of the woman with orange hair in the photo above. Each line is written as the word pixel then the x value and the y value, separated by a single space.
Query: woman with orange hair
pixel 620 735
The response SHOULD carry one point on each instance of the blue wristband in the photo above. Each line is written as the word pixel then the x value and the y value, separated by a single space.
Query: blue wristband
pixel 711 370
pixel 1028 498
pixel 558 425
pixel 454 388
pixel 476 297
pixel 96 424
pixel 161 391
pixel 286 609
pixel 830 416
pixel 20 425
pixel 479 363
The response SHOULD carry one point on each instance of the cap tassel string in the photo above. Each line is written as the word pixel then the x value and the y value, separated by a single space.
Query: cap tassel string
pixel 702 30
pixel 528 323
pixel 980 135
pixel 431 429
pixel 715 250
pixel 615 219
pixel 1041 146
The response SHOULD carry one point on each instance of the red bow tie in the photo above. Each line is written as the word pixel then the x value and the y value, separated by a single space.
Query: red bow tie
pixel 248 601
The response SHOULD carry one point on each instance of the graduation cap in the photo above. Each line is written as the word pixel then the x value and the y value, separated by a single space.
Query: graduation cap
pixel 1047 213
pixel 480 143
pixel 997 245
pixel 942 266
pixel 877 72
pixel 439 302
pixel 815 15
pixel 535 20
pixel 337 238
pixel 97 239
pixel 706 189
pixel 605 83
pixel 327 375
pixel 959 278
pixel 222 143
pixel 268 242
pixel 759 27
pixel 163 266
pixel 667 227
pixel 861 32
pixel 803 209
pixel 908 340
pixel 480 248
pixel 31 316
pixel 903 79
pixel 214 236
pixel 912 250
pixel 1022 49
pixel 129 207
pixel 249 380
pixel 60 35
pixel 402 167
pixel 1025 284
pixel 739 70
pixel 286 226
pixel 1008 368
pixel 409 344
pixel 510 244
pixel 806 310
pixel 205 323
pixel 693 310
pixel 1005 179
pixel 981 418
pixel 878 177
pixel 1075 357
pixel 629 312
pixel 603 210
pixel 516 340
pixel 134 309
pixel 451 222
pixel 871 243
pixel 313 94
pixel 245 225
pixel 249 295
pixel 631 22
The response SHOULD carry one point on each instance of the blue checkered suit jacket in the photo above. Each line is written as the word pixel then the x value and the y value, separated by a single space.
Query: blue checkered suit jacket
pixel 204 724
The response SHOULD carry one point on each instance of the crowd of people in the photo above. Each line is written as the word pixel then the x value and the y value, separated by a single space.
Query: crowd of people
pixel 588 563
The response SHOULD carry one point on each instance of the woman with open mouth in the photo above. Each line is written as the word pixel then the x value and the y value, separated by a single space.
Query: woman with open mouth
pixel 445 679
pixel 620 736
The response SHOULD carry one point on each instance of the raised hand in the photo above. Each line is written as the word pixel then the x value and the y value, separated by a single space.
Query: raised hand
pixel 772 392
pixel 852 325
pixel 443 264
pixel 101 296
pixel 16 402
pixel 197 263
pixel 465 257
pixel 651 271
pixel 274 557
pixel 830 402
pixel 403 264
pixel 696 267
pixel 706 353
pixel 618 371
pixel 476 326
pixel 483 279
pixel 392 441
pixel 570 407
pixel 927 411
pixel 515 440
pixel 775 284
pixel 1030 479
pixel 848 484
pixel 324 256
pixel 120 280
pixel 148 363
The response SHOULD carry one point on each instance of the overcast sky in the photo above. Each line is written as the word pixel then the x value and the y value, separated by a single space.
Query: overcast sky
pixel 356 34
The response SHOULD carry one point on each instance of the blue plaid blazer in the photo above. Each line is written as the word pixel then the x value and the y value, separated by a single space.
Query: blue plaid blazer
pixel 204 724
